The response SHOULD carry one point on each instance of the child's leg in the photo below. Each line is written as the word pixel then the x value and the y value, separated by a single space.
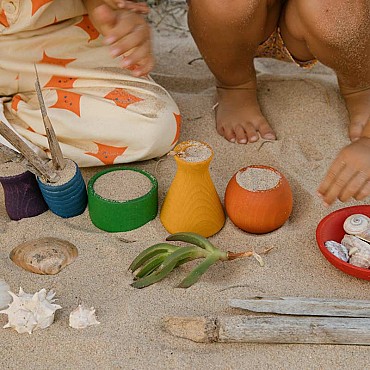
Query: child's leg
pixel 228 34
pixel 337 33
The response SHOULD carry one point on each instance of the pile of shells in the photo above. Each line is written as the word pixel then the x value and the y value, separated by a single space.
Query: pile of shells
pixel 354 248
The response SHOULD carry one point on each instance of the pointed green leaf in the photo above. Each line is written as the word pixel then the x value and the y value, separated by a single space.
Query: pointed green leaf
pixel 198 271
pixel 193 238
pixel 150 252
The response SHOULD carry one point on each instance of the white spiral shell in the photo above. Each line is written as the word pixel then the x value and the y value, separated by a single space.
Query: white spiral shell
pixel 359 225
pixel 5 297
pixel 30 312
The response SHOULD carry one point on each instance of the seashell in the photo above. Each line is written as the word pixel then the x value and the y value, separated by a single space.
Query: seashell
pixel 44 256
pixel 5 297
pixel 359 251
pixel 82 317
pixel 359 225
pixel 29 312
pixel 337 249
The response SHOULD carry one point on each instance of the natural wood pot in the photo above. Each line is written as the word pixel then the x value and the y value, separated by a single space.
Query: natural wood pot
pixel 192 203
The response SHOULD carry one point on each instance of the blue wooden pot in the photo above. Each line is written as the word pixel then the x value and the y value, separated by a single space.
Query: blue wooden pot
pixel 68 199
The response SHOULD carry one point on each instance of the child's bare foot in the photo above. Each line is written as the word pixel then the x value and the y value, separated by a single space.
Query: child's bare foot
pixel 238 115
pixel 358 106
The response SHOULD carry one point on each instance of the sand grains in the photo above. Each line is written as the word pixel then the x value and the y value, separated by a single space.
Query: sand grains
pixel 122 185
pixel 257 179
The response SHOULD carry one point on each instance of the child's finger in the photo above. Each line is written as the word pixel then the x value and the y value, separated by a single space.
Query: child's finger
pixel 116 4
pixel 330 187
pixel 353 187
pixel 141 8
pixel 134 39
pixel 107 19
pixel 137 55
pixel 144 67
pixel 364 191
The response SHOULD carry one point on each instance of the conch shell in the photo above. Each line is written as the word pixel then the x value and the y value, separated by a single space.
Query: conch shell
pixel 359 225
pixel 29 312
pixel 82 317
pixel 5 297
pixel 358 250
pixel 44 256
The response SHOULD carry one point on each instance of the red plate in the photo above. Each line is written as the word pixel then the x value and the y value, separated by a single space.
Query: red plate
pixel 331 228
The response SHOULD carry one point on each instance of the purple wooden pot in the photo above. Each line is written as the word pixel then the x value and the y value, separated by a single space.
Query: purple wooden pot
pixel 23 197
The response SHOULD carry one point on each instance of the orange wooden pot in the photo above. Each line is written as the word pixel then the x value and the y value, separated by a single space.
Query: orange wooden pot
pixel 258 211
pixel 192 203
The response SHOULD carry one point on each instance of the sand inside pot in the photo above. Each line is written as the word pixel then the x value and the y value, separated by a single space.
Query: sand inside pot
pixel 66 174
pixel 257 179
pixel 9 169
pixel 122 185
pixel 196 152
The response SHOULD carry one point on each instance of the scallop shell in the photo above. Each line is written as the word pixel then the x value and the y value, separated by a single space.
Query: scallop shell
pixel 29 312
pixel 337 249
pixel 359 251
pixel 5 297
pixel 359 225
pixel 44 256
pixel 82 317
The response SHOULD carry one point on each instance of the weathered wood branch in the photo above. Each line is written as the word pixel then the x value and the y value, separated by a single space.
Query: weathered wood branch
pixel 271 329
pixel 42 167
pixel 55 151
pixel 10 154
pixel 304 306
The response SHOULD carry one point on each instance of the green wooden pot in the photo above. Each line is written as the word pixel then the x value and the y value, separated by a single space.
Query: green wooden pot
pixel 118 216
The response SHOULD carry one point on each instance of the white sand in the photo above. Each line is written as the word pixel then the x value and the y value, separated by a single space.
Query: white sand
pixel 122 185
pixel 310 120
pixel 257 179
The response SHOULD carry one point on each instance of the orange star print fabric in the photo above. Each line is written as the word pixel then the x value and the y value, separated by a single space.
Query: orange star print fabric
pixel 101 114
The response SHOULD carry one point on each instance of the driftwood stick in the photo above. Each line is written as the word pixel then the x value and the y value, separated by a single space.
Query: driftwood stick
pixel 48 173
pixel 55 151
pixel 15 157
pixel 304 306
pixel 271 329
pixel 10 154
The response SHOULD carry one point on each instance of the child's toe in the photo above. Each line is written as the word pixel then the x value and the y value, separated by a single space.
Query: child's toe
pixel 240 134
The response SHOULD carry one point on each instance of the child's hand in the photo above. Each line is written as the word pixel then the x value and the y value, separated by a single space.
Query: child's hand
pixel 141 7
pixel 349 175
pixel 128 35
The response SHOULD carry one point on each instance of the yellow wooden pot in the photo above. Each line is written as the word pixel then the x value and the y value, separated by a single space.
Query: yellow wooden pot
pixel 192 203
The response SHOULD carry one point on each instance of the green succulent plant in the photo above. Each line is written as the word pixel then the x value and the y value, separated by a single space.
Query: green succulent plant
pixel 156 262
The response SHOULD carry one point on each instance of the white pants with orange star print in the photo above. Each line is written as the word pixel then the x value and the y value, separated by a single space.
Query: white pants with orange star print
pixel 101 113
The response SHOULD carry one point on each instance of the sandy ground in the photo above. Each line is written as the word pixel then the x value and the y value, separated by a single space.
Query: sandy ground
pixel 310 119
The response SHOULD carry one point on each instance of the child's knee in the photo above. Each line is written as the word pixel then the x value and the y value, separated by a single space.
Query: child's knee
pixel 224 11
pixel 335 21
